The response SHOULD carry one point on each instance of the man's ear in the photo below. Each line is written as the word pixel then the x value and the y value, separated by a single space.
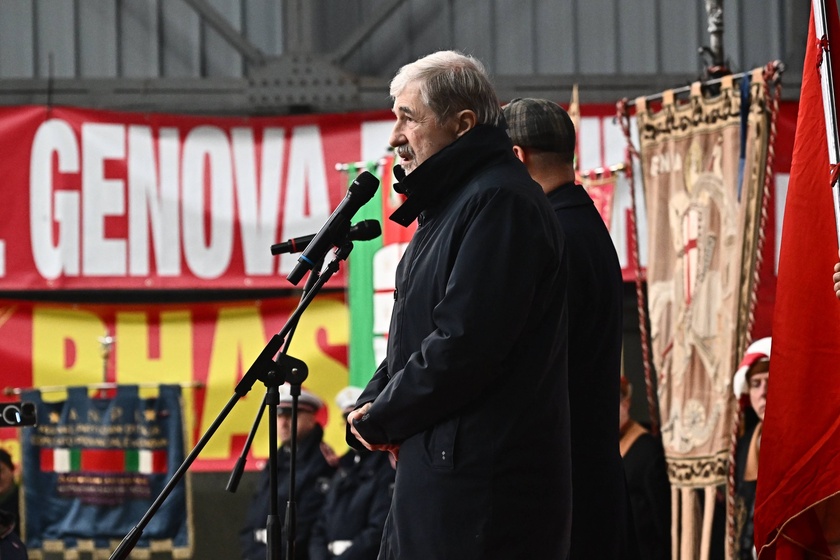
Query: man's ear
pixel 465 120
pixel 519 152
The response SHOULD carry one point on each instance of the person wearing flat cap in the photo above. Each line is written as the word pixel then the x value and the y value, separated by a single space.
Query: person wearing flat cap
pixel 314 467
pixel 351 522
pixel 543 137
pixel 750 388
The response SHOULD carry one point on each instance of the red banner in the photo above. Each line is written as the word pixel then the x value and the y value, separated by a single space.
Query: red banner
pixel 98 200
pixel 103 200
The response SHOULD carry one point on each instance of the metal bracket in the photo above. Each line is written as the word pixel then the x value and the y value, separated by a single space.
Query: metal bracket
pixel 303 81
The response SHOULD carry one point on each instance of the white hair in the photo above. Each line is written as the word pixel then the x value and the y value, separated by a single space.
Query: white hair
pixel 449 82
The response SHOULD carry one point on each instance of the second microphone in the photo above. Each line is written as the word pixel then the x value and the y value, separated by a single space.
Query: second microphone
pixel 362 231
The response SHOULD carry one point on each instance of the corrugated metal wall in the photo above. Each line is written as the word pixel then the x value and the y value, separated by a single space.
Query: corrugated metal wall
pixel 598 40
pixel 128 38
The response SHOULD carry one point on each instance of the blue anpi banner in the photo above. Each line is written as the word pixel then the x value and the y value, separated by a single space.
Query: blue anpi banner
pixel 92 467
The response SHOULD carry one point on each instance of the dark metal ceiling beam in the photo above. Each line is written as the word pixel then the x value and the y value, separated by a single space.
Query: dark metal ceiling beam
pixel 253 55
pixel 240 96
pixel 349 46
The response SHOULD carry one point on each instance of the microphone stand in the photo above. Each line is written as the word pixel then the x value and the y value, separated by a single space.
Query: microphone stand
pixel 239 468
pixel 291 505
pixel 272 373
pixel 295 378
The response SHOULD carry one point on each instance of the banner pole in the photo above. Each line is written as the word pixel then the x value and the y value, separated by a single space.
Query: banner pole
pixel 829 107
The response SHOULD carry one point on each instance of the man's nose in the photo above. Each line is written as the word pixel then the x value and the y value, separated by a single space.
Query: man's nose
pixel 397 138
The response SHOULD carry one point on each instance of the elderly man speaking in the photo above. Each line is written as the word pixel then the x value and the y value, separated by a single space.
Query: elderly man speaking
pixel 472 397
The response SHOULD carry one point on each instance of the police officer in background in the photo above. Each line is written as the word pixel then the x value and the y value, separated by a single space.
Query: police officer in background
pixel 11 547
pixel 351 522
pixel 9 492
pixel 315 465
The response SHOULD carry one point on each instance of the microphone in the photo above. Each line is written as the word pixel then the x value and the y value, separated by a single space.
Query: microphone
pixel 337 225
pixel 362 231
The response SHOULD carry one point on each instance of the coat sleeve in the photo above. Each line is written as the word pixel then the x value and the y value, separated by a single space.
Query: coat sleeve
pixel 507 253
pixel 371 391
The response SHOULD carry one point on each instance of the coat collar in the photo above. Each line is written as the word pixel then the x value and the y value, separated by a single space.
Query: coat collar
pixel 569 195
pixel 448 170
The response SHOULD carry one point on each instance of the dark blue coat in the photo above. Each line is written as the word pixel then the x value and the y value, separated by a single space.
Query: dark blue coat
pixel 650 496
pixel 312 475
pixel 474 387
pixel 356 507
pixel 11 547
pixel 596 297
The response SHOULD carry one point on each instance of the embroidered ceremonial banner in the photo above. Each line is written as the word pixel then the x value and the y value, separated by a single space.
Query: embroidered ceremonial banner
pixel 92 467
pixel 704 190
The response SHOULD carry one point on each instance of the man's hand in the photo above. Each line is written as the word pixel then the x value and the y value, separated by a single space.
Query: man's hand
pixel 351 420
pixel 393 449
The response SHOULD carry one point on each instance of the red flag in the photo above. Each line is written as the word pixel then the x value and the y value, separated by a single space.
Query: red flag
pixel 800 443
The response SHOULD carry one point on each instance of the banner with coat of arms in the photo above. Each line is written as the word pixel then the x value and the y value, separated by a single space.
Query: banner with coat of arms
pixel 92 467
pixel 703 166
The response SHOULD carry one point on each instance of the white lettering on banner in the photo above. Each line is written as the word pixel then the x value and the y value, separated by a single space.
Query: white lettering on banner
pixel 61 257
pixel 306 169
pixel 101 198
pixel 178 198
pixel 207 163
pixel 665 163
pixel 154 204
pixel 258 213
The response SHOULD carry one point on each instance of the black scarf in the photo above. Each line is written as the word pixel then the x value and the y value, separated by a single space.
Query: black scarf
pixel 448 170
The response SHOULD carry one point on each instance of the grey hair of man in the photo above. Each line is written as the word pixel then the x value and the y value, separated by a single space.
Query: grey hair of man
pixel 451 81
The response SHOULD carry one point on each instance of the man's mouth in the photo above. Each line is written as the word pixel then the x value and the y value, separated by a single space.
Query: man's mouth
pixel 405 153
